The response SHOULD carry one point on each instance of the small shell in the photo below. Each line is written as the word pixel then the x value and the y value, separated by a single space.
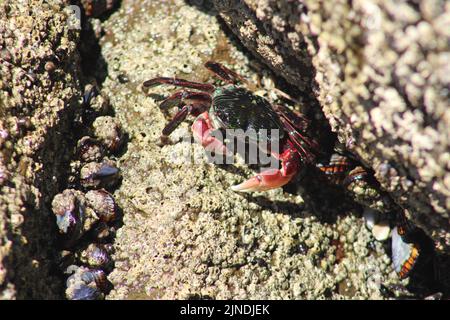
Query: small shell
pixel 96 256
pixel 381 230
pixel 435 296
pixel 109 131
pixel 83 292
pixel 97 175
pixel 71 216
pixel 89 149
pixel 98 277
pixel 85 283
pixel 404 255
pixel 123 78
pixel 103 204
pixel 69 208
pixel 49 66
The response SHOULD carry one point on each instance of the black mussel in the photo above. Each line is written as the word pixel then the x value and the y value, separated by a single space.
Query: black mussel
pixel 97 256
pixel 84 292
pixel 97 175
pixel 109 131
pixel 69 208
pixel 103 204
pixel 86 284
pixel 123 78
pixel 98 277
pixel 90 91
pixel 94 103
pixel 72 218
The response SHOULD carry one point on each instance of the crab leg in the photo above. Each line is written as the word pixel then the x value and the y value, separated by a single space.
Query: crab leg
pixel 181 96
pixel 194 109
pixel 224 73
pixel 337 169
pixel 202 129
pixel 296 119
pixel 179 83
pixel 293 122
pixel 273 178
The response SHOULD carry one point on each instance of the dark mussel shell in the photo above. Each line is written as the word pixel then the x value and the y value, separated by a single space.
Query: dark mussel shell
pixel 109 131
pixel 97 175
pixel 90 91
pixel 84 292
pixel 69 208
pixel 86 284
pixel 94 103
pixel 103 204
pixel 96 256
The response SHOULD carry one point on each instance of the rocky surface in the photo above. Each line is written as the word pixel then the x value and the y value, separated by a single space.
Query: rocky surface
pixel 185 233
pixel 39 93
pixel 380 72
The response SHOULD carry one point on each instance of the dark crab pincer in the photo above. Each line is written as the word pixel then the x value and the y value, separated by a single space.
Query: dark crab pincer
pixel 233 107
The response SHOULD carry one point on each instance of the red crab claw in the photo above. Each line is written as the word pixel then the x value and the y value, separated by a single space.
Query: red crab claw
pixel 202 130
pixel 273 178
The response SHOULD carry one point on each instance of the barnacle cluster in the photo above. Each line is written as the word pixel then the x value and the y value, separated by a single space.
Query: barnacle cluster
pixel 86 212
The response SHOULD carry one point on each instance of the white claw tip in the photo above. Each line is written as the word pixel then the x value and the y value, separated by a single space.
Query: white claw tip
pixel 240 188
pixel 236 188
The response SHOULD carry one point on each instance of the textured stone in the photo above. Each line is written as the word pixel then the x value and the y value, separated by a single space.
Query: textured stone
pixel 185 234
pixel 39 91
pixel 380 71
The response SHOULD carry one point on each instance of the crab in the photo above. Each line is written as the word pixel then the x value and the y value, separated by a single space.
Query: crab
pixel 232 106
